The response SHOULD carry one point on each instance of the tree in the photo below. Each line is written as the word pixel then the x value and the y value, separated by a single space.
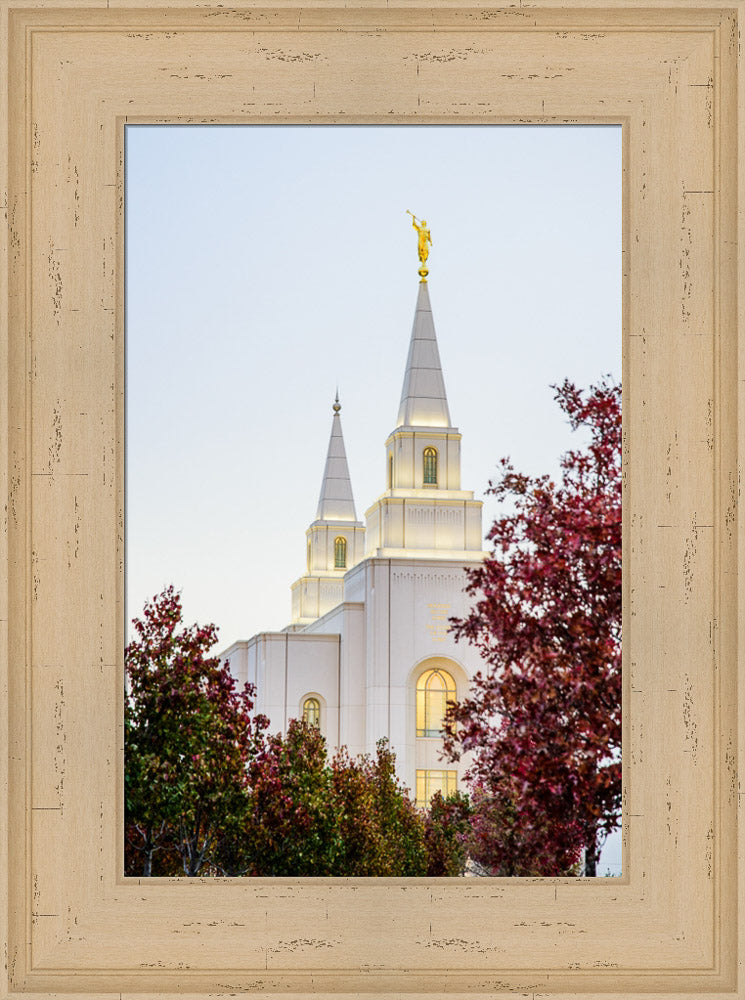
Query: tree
pixel 290 828
pixel 349 816
pixel 400 825
pixel 189 735
pixel 380 830
pixel 544 718
pixel 447 834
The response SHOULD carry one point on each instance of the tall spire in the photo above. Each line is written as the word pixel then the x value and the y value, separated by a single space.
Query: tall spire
pixel 336 502
pixel 423 399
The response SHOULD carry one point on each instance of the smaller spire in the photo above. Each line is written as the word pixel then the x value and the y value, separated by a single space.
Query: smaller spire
pixel 336 502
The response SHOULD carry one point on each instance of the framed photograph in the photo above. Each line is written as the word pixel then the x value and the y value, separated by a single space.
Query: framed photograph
pixel 77 76
pixel 274 323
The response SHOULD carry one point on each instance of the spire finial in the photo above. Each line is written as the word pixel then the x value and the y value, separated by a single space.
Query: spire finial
pixel 337 405
pixel 424 238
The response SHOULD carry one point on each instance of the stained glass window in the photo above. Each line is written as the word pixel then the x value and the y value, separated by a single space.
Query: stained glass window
pixel 340 552
pixel 435 688
pixel 430 467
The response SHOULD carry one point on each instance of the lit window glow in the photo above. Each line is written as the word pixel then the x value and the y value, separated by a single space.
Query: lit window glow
pixel 435 688
pixel 430 467
pixel 429 782
pixel 312 712
pixel 340 553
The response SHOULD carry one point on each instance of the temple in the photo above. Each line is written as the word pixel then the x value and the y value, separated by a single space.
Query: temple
pixel 368 653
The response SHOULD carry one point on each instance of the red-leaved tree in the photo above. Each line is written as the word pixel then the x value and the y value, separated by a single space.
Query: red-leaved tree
pixel 544 719
pixel 189 734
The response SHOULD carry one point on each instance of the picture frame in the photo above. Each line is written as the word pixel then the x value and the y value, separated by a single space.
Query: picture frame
pixel 670 927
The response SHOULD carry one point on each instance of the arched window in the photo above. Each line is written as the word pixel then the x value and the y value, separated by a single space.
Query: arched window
pixel 390 471
pixel 434 689
pixel 430 467
pixel 312 712
pixel 340 552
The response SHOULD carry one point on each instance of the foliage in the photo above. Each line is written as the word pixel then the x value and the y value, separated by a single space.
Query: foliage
pixel 150 851
pixel 188 737
pixel 347 817
pixel 398 825
pixel 290 825
pixel 506 840
pixel 544 720
pixel 207 791
pixel 447 834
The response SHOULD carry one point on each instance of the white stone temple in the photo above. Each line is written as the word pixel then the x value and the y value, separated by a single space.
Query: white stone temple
pixel 368 653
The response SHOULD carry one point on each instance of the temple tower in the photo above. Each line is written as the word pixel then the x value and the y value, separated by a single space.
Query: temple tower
pixel 423 510
pixel 335 539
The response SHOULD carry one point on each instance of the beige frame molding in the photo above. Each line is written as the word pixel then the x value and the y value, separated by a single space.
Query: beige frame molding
pixel 671 927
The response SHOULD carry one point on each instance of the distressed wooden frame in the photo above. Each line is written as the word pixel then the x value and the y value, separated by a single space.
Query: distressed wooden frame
pixel 672 926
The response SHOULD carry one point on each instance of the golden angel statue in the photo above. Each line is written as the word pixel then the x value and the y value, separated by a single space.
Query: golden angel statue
pixel 424 243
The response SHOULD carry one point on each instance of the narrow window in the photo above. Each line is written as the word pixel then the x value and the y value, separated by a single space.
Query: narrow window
pixel 390 471
pixel 312 712
pixel 430 467
pixel 309 555
pixel 340 553
pixel 434 690
pixel 429 782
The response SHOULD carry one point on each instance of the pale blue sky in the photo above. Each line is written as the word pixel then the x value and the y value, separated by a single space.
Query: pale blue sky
pixel 268 264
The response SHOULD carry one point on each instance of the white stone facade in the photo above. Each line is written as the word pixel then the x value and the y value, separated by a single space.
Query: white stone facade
pixel 370 616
